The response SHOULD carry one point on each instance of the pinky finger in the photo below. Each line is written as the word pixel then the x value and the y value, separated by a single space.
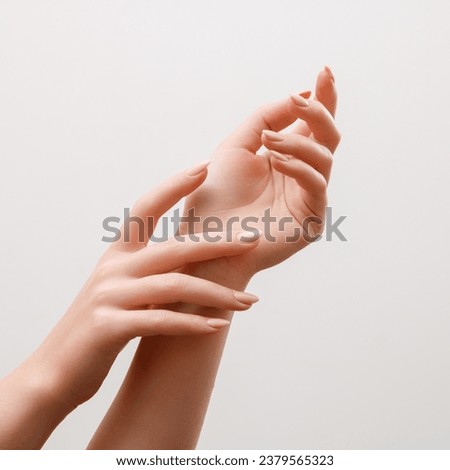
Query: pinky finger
pixel 139 323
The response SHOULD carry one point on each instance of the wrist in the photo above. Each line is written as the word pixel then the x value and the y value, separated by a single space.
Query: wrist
pixel 221 272
pixel 44 385
pixel 30 410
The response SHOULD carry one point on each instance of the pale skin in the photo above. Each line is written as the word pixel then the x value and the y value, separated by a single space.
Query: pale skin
pixel 113 308
pixel 163 400
pixel 179 296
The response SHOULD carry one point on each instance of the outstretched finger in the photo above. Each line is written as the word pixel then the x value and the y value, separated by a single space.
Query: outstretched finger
pixel 169 255
pixel 140 225
pixel 141 323
pixel 172 288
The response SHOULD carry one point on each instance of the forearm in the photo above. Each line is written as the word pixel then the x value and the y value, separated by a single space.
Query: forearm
pixel 164 398
pixel 29 410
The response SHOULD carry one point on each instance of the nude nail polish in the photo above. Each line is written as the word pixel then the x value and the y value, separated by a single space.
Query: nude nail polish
pixel 330 73
pixel 199 168
pixel 245 297
pixel 299 100
pixel 273 136
pixel 217 322
pixel 279 156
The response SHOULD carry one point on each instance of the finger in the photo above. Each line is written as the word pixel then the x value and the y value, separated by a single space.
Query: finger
pixel 310 180
pixel 273 116
pixel 169 288
pixel 318 119
pixel 139 227
pixel 326 90
pixel 306 176
pixel 169 255
pixel 302 148
pixel 325 93
pixel 138 323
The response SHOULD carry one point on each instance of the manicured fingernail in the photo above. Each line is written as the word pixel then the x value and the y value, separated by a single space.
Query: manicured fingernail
pixel 249 237
pixel 273 136
pixel 299 100
pixel 329 72
pixel 279 156
pixel 245 297
pixel 217 322
pixel 199 168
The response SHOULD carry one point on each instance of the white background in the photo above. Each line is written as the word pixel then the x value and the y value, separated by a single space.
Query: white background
pixel 101 99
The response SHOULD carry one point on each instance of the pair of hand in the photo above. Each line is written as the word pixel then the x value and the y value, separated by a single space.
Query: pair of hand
pixel 113 306
pixel 136 287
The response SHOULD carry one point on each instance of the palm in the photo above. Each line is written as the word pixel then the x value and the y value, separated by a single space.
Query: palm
pixel 242 184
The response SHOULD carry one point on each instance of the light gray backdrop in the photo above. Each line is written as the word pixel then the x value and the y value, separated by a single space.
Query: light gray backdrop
pixel 101 99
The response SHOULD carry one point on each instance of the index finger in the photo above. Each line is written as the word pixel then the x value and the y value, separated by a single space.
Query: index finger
pixel 139 226
pixel 274 116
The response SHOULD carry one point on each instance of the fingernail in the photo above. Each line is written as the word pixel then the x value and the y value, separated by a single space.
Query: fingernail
pixel 199 168
pixel 279 156
pixel 249 237
pixel 273 136
pixel 217 322
pixel 299 100
pixel 329 72
pixel 245 297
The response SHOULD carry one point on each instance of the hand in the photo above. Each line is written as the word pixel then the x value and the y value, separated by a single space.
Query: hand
pixel 112 308
pixel 164 398
pixel 290 179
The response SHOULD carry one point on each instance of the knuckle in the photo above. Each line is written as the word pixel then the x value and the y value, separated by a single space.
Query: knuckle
pixel 107 327
pixel 173 281
pixel 321 110
pixel 102 295
pixel 327 155
pixel 321 114
pixel 261 113
pixel 321 183
pixel 105 270
pixel 100 322
pixel 170 247
pixel 174 247
pixel 261 110
pixel 159 317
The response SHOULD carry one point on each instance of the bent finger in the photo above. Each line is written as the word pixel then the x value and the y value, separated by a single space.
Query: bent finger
pixel 162 289
pixel 306 176
pixel 318 119
pixel 274 116
pixel 302 148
